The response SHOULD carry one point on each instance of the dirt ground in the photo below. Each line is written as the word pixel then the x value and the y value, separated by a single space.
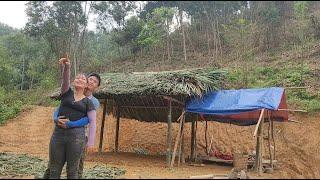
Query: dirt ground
pixel 143 145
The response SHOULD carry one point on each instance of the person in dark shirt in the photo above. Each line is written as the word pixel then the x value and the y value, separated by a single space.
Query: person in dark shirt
pixel 94 80
pixel 67 145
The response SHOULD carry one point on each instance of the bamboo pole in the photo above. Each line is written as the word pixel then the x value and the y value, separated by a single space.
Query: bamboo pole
pixel 274 144
pixel 195 140
pixel 259 129
pixel 258 124
pixel 182 140
pixel 102 124
pixel 192 140
pixel 183 160
pixel 169 135
pixel 292 110
pixel 178 137
pixel 117 129
pixel 269 143
pixel 205 136
pixel 180 144
pixel 261 147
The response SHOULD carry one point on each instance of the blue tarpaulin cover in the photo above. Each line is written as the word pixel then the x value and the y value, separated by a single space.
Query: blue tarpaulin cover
pixel 227 102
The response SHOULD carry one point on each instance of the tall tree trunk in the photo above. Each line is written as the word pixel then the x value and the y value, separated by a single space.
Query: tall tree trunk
pixel 168 40
pixel 23 69
pixel 183 35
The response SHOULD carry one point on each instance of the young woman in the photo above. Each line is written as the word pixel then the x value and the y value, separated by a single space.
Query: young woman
pixel 67 145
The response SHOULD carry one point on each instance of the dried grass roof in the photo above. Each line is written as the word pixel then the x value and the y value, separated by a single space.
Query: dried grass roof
pixel 182 82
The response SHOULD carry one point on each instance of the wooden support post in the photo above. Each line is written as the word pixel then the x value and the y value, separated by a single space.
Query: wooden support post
pixel 269 137
pixel 181 141
pixel 274 143
pixel 206 136
pixel 259 122
pixel 178 138
pixel 183 159
pixel 102 124
pixel 192 140
pixel 169 134
pixel 195 141
pixel 117 129
pixel 259 145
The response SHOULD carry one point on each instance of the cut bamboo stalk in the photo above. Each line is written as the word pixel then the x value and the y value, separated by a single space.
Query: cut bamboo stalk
pixel 269 143
pixel 169 135
pixel 261 147
pixel 192 140
pixel 117 129
pixel 180 143
pixel 176 144
pixel 292 110
pixel 258 124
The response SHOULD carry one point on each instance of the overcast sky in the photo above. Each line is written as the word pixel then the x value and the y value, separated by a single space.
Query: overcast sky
pixel 13 14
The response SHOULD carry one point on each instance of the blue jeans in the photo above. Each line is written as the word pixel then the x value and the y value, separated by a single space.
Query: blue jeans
pixel 66 145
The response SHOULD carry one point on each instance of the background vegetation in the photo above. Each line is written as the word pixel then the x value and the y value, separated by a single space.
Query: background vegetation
pixel 260 44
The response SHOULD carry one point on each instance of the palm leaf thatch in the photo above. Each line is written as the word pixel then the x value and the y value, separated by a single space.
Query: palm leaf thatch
pixel 183 82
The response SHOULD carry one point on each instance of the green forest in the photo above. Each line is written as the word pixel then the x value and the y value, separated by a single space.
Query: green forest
pixel 259 44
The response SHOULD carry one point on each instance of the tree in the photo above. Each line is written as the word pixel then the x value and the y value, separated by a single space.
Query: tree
pixel 63 24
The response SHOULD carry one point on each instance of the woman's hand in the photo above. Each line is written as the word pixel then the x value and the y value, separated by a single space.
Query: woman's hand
pixel 63 123
pixel 65 60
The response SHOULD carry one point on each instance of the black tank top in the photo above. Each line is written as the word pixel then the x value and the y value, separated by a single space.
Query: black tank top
pixel 74 110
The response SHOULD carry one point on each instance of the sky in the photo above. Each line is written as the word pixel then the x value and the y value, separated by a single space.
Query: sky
pixel 13 14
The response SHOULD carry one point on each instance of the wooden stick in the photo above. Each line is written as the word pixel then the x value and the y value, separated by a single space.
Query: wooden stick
pixel 269 143
pixel 296 87
pixel 195 141
pixel 176 144
pixel 258 124
pixel 261 146
pixel 290 120
pixel 151 107
pixel 192 139
pixel 210 146
pixel 173 99
pixel 117 129
pixel 169 135
pixel 209 176
pixel 274 144
pixel 293 110
pixel 102 125
pixel 180 143
pixel 205 136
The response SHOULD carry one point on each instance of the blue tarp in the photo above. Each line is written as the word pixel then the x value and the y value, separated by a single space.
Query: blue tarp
pixel 227 102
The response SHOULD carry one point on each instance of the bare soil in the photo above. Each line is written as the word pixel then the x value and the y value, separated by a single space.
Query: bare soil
pixel 143 145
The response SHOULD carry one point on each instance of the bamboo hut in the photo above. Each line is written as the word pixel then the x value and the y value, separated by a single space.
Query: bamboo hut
pixel 154 97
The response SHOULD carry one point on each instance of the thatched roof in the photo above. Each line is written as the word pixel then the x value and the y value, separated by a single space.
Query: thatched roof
pixel 140 94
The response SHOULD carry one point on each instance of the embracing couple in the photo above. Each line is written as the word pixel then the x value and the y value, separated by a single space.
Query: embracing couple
pixel 69 141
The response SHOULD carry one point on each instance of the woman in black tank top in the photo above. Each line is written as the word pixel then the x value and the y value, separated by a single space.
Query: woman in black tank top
pixel 66 145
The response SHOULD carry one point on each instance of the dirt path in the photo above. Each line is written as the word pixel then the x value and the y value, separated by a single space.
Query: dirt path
pixel 297 144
